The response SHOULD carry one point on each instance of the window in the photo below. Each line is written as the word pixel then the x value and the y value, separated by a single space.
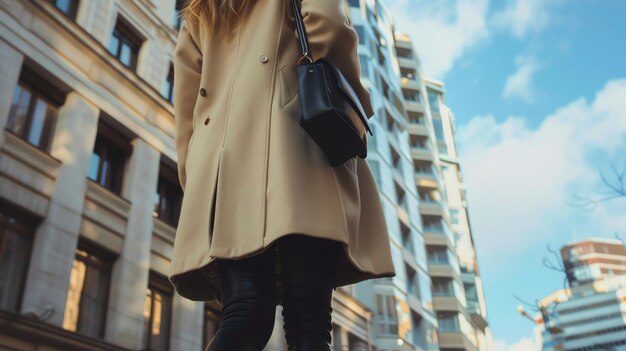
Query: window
pixel 448 322
pixel 109 158
pixel 387 314
pixel 401 196
pixel 85 309
pixel 125 44
pixel 157 313
pixel 471 293
pixel 438 255
pixel 68 7
pixel 412 282
pixel 413 96
pixel 432 223
pixel 16 238
pixel 375 168
pixel 355 3
pixel 211 321
pixel 169 196
pixel 365 66
pixel 178 20
pixel 361 33
pixel 407 241
pixel 438 125
pixel 167 90
pixel 454 216
pixel 433 100
pixel 34 109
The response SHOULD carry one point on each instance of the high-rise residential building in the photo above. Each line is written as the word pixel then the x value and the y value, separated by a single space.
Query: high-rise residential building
pixel 404 318
pixel 458 299
pixel 590 314
pixel 89 195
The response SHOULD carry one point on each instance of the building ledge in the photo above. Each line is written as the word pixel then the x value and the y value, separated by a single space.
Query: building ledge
pixel 19 332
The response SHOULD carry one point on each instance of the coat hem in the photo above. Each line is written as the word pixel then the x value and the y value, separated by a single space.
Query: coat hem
pixel 202 284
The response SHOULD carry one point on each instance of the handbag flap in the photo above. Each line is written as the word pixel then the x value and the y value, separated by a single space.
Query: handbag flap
pixel 345 86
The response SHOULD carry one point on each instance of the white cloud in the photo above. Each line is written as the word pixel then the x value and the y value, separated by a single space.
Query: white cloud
pixel 520 17
pixel 520 179
pixel 442 31
pixel 525 344
pixel 520 83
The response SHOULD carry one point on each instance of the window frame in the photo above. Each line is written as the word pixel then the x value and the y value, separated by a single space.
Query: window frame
pixel 170 175
pixel 108 138
pixel 210 308
pixel 126 33
pixel 21 227
pixel 169 84
pixel 39 89
pixel 159 283
pixel 105 263
pixel 73 11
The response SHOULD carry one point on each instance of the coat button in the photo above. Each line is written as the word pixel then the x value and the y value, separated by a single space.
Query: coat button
pixel 202 92
pixel 264 58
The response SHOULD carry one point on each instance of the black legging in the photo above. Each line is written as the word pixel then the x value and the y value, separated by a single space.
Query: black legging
pixel 248 294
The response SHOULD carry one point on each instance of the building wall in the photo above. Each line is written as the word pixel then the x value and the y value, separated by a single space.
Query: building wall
pixel 592 321
pixel 457 289
pixel 403 307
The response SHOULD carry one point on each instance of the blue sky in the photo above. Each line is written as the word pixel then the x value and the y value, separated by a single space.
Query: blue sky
pixel 538 88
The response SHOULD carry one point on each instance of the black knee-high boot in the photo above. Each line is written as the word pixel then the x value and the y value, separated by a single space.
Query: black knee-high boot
pixel 309 266
pixel 248 294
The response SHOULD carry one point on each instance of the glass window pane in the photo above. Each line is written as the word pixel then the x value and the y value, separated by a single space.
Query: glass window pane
pixel 114 43
pixel 14 250
pixel 147 309
pixel 63 5
pixel 72 304
pixel 92 301
pixel 37 123
pixel 104 173
pixel 126 55
pixel 93 167
pixel 19 109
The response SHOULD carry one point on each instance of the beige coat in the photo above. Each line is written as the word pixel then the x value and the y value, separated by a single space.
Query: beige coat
pixel 249 171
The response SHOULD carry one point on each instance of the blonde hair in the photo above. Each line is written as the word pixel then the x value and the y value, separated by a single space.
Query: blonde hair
pixel 219 15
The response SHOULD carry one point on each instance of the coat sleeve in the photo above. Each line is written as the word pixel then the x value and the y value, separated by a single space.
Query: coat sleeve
pixel 187 73
pixel 331 36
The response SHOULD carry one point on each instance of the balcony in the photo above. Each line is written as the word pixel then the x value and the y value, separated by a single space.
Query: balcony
pixel 455 340
pixel 443 270
pixel 405 62
pixel 422 153
pixel 410 84
pixel 447 303
pixel 476 314
pixel 431 207
pixel 438 238
pixel 418 129
pixel 413 106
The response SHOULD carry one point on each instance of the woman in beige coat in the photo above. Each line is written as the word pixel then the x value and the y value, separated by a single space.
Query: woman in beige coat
pixel 265 219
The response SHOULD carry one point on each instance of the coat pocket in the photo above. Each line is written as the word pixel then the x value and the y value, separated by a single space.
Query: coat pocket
pixel 288 78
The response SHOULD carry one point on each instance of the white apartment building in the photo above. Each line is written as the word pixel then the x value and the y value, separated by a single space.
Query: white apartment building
pixel 404 318
pixel 456 286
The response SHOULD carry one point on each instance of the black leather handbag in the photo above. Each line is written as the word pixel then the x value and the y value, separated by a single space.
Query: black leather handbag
pixel 330 110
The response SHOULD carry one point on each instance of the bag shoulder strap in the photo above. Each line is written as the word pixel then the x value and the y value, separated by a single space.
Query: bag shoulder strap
pixel 304 45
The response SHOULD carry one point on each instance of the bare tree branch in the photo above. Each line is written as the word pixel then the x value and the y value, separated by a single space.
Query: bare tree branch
pixel 613 187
